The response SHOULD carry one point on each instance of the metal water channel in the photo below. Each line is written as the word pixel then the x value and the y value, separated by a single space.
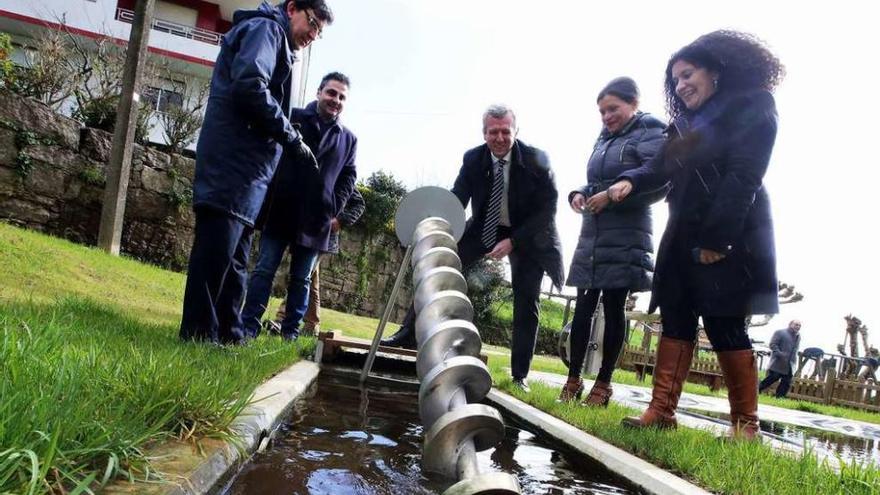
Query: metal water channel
pixel 340 439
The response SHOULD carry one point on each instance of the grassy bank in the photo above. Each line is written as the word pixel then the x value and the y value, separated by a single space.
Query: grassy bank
pixel 93 373
pixel 737 468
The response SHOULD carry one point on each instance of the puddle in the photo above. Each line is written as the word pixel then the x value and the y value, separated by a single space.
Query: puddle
pixel 846 447
pixel 341 440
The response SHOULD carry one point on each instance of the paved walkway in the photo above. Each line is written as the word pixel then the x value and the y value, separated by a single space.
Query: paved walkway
pixel 691 406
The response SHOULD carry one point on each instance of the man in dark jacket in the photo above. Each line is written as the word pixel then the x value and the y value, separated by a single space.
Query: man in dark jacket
pixel 784 344
pixel 244 131
pixel 302 205
pixel 513 200
pixel 351 213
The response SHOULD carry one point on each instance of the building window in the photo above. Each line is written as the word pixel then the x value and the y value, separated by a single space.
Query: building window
pixel 161 99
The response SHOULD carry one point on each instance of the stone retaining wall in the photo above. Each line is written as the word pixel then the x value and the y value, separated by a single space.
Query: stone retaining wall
pixel 52 177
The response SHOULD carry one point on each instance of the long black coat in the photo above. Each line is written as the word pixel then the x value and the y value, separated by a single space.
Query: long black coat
pixel 303 201
pixel 246 122
pixel 716 159
pixel 532 199
pixel 615 246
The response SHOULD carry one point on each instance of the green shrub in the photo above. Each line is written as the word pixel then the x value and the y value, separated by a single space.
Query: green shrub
pixel 6 66
pixel 382 193
pixel 100 113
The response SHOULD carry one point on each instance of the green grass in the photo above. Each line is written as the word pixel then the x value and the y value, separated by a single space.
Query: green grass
pixel 550 314
pixel 552 364
pixel 737 468
pixel 93 373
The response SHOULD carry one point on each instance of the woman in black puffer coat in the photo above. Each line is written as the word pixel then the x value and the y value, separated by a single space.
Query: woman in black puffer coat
pixel 613 256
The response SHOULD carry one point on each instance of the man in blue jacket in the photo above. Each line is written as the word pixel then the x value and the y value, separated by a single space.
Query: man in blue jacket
pixel 301 207
pixel 244 132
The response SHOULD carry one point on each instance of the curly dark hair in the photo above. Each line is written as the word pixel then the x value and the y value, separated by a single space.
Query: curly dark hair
pixel 742 61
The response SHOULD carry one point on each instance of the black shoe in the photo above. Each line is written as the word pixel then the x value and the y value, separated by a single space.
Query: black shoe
pixel 521 385
pixel 405 338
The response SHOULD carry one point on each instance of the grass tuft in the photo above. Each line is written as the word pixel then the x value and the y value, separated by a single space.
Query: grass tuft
pixel 735 468
pixel 93 373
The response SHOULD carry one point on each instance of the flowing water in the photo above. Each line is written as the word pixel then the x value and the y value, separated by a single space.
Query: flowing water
pixel 342 440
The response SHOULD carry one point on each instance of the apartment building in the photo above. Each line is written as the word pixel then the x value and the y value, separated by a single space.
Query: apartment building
pixel 185 34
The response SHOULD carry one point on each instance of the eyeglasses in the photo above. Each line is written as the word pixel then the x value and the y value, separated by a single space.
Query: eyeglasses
pixel 315 25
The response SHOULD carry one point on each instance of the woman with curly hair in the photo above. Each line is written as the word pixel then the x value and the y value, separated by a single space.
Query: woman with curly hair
pixel 717 256
pixel 613 255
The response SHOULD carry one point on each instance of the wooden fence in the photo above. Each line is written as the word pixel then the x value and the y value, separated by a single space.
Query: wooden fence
pixel 707 371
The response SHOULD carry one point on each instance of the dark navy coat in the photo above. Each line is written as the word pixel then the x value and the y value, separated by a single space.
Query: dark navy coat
pixel 715 159
pixel 532 199
pixel 304 201
pixel 615 246
pixel 349 216
pixel 246 122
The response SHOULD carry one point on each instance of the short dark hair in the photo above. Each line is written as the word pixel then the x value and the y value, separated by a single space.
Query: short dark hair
pixel 742 61
pixel 622 87
pixel 334 76
pixel 319 7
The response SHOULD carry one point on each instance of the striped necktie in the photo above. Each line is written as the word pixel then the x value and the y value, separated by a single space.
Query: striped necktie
pixel 493 208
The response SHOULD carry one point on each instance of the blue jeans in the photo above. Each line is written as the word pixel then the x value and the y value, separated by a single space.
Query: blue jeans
pixel 302 262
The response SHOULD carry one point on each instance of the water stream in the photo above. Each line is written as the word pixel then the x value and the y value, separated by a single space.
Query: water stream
pixel 342 440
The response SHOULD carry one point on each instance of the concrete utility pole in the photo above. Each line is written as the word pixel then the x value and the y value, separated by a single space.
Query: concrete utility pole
pixel 119 168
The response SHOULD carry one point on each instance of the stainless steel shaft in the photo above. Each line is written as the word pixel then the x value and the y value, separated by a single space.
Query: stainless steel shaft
pixel 453 378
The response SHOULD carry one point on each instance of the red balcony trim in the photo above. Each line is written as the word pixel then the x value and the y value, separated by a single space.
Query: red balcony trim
pixel 95 35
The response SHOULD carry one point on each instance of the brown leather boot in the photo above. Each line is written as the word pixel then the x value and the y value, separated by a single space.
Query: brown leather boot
pixel 572 390
pixel 741 375
pixel 673 363
pixel 599 395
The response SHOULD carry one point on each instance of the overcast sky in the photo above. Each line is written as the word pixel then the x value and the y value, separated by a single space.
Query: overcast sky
pixel 423 72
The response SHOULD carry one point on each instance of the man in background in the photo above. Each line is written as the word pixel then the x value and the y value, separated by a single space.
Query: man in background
pixel 784 346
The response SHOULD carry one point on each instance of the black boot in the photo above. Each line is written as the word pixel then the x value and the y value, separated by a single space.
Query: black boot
pixel 405 338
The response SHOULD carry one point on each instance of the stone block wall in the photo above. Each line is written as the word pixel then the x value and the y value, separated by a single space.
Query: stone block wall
pixel 52 177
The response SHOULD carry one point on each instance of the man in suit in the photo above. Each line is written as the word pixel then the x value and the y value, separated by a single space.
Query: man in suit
pixel 512 194
pixel 302 205
pixel 245 129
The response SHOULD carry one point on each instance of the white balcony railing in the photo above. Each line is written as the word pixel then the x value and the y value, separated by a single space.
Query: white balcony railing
pixel 174 28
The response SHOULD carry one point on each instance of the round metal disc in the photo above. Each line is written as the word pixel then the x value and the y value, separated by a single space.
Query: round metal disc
pixel 478 423
pixel 486 484
pixel 448 339
pixel 431 241
pixel 436 280
pixel 439 385
pixel 443 306
pixel 426 202
pixel 432 258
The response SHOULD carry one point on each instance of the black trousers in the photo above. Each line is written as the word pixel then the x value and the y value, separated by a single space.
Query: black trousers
pixel 614 304
pixel 726 333
pixel 216 278
pixel 771 378
pixel 526 277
